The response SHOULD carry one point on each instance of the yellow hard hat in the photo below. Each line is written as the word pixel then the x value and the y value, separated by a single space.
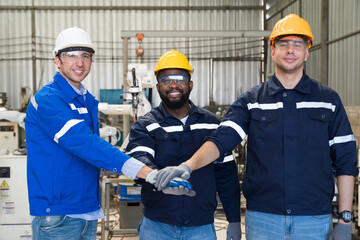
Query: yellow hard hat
pixel 173 59
pixel 292 24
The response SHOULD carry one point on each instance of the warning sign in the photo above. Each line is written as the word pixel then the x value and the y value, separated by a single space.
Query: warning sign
pixel 9 208
pixel 4 192
pixel 4 184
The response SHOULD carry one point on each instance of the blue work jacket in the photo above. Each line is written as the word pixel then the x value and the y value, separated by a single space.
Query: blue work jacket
pixel 158 139
pixel 297 141
pixel 65 151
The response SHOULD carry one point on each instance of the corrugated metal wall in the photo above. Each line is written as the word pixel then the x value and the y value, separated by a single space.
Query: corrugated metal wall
pixel 104 20
pixel 343 43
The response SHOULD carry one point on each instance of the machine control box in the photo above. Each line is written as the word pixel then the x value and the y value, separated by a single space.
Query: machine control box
pixel 9 136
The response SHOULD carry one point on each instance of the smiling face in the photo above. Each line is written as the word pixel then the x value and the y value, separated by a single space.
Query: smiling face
pixel 74 69
pixel 174 95
pixel 289 56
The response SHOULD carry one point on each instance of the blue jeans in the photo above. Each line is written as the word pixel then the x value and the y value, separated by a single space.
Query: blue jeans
pixel 266 226
pixel 62 227
pixel 151 230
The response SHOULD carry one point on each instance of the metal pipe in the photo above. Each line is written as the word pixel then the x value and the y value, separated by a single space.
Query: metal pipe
pixel 33 49
pixel 323 43
pixel 126 118
pixel 176 34
pixel 134 8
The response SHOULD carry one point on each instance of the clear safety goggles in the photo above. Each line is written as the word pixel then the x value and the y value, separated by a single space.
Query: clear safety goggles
pixel 178 79
pixel 284 44
pixel 74 56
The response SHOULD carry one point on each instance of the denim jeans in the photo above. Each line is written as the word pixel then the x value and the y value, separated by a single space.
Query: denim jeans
pixel 62 227
pixel 151 230
pixel 266 226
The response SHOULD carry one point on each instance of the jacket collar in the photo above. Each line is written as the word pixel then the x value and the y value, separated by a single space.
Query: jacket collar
pixel 67 89
pixel 304 85
pixel 165 114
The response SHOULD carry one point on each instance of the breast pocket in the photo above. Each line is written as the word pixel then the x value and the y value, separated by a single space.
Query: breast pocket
pixel 318 125
pixel 263 122
pixel 167 149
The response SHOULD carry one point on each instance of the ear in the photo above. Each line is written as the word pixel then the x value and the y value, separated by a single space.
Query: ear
pixel 158 87
pixel 191 84
pixel 306 54
pixel 58 62
pixel 272 52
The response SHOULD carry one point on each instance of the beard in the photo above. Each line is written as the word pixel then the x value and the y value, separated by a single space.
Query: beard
pixel 175 104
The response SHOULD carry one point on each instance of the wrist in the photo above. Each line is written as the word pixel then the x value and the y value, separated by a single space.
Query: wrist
pixel 144 172
pixel 346 217
pixel 342 222
pixel 189 165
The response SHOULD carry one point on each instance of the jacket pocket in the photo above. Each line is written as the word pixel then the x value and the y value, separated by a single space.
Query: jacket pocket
pixel 263 116
pixel 323 115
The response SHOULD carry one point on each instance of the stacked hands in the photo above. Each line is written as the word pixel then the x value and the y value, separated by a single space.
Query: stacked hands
pixel 172 180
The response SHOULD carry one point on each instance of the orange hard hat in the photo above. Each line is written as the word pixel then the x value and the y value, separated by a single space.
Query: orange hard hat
pixel 292 24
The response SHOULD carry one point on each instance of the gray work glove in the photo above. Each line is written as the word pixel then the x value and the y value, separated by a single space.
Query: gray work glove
pixel 165 175
pixel 177 186
pixel 341 231
pixel 233 231
pixel 180 190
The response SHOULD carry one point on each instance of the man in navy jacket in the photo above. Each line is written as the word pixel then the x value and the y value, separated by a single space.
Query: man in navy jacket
pixel 168 136
pixel 299 139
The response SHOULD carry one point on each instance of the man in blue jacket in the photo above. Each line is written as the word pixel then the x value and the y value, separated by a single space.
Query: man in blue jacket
pixel 299 138
pixel 168 136
pixel 65 152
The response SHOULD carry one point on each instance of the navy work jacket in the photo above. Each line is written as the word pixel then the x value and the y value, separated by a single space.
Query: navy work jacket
pixel 298 140
pixel 159 140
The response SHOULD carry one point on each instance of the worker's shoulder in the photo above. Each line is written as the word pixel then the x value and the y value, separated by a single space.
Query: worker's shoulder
pixel 207 114
pixel 49 94
pixel 150 117
pixel 322 88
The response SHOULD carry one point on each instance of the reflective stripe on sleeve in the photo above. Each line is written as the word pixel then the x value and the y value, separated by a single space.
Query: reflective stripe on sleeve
pixel 174 128
pixel 142 149
pixel 152 126
pixel 34 103
pixel 234 126
pixel 80 110
pixel 228 158
pixel 342 139
pixel 69 124
pixel 315 105
pixel 203 126
pixel 265 106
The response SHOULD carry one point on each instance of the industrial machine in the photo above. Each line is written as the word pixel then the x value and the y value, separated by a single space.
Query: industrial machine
pixel 120 191
pixel 11 125
pixel 15 220
pixel 134 103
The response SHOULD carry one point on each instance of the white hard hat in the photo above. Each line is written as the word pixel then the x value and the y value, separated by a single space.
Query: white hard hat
pixel 72 39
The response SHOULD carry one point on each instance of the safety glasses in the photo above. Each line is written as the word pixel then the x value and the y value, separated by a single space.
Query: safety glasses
pixel 178 79
pixel 295 44
pixel 74 56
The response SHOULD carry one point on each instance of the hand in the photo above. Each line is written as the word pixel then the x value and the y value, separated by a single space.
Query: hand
pixel 233 231
pixel 177 186
pixel 341 231
pixel 165 175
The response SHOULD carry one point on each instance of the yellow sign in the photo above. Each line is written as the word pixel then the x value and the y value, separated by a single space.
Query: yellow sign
pixel 4 184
